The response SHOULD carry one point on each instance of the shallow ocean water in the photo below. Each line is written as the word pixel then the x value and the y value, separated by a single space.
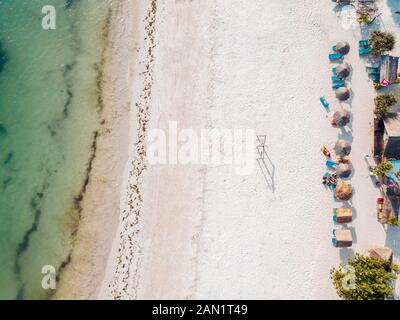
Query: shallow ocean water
pixel 48 116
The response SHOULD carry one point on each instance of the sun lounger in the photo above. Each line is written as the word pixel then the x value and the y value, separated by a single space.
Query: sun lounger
pixel 336 78
pixel 375 77
pixel 373 66
pixel 364 51
pixel 374 71
pixel 363 43
pixel 331 164
pixel 338 85
pixel 324 102
pixel 335 56
pixel 338 81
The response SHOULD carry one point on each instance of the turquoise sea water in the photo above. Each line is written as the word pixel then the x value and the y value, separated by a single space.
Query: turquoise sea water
pixel 48 117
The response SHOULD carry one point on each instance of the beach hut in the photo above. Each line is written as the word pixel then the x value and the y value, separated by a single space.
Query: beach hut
pixel 342 47
pixel 390 136
pixel 342 93
pixel 342 238
pixel 343 70
pixel 343 191
pixel 342 148
pixel 381 252
pixel 343 215
pixel 341 118
pixel 343 170
pixel 389 69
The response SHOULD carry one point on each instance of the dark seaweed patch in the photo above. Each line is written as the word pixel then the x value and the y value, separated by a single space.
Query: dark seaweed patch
pixel 24 244
pixel 21 292
pixel 70 3
pixel 9 157
pixel 3 57
pixel 6 182
pixel 3 130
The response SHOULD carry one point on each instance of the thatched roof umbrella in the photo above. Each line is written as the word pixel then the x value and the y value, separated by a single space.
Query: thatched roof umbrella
pixel 343 47
pixel 342 93
pixel 343 170
pixel 344 215
pixel 342 148
pixel 380 252
pixel 343 191
pixel 341 117
pixel 343 238
pixel 343 70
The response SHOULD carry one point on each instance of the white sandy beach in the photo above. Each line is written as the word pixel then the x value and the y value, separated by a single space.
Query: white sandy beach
pixel 204 232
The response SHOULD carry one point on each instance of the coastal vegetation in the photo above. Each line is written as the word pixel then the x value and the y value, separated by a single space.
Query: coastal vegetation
pixel 392 221
pixel 384 103
pixel 371 278
pixel 383 167
pixel 377 86
pixel 3 57
pixel 382 42
pixel 364 18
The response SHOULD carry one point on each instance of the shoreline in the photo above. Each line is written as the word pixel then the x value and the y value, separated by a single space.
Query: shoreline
pixel 82 275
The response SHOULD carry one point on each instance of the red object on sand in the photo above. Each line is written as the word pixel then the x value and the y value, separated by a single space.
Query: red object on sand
pixel 333 122
pixel 379 200
pixel 384 83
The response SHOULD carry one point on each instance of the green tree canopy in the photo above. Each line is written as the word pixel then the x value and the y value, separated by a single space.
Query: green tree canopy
pixel 382 42
pixel 383 167
pixel 384 104
pixel 371 279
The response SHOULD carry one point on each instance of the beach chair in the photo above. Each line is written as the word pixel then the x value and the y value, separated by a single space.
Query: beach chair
pixel 338 85
pixel 363 43
pixel 372 66
pixel 338 81
pixel 334 237
pixel 375 78
pixel 331 164
pixel 336 78
pixel 364 51
pixel 335 56
pixel 374 71
pixel 324 102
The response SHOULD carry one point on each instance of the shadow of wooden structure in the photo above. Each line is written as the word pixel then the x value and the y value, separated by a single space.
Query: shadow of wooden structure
pixel 387 137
